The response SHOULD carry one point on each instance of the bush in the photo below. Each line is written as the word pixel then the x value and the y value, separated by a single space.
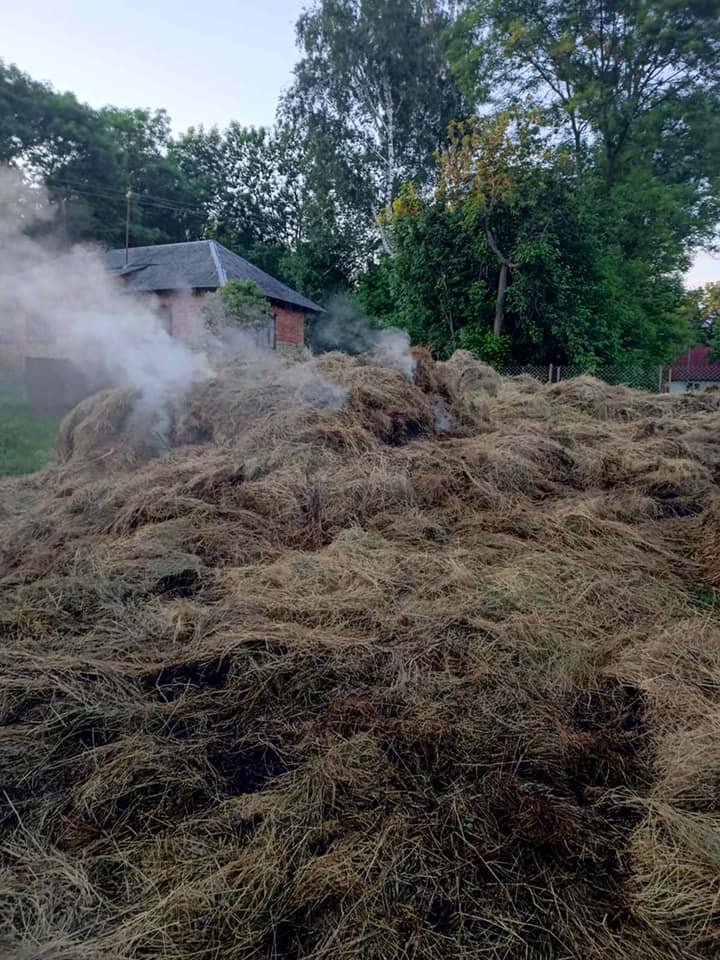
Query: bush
pixel 240 303
pixel 485 345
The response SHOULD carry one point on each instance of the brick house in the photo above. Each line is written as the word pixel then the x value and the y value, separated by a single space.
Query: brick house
pixel 176 277
pixel 180 275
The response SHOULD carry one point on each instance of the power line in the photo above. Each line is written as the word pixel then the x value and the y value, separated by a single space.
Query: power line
pixel 110 194
pixel 145 199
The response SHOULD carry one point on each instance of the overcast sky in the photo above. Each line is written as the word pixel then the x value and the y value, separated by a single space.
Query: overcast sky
pixel 208 62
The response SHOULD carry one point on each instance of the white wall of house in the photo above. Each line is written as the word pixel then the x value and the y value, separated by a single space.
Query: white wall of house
pixel 683 386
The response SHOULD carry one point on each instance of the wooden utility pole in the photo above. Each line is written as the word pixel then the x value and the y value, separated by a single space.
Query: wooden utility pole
pixel 128 198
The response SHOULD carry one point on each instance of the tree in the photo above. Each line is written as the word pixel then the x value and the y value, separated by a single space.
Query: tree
pixel 268 200
pixel 88 159
pixel 702 311
pixel 605 66
pixel 374 95
pixel 632 88
pixel 632 85
pixel 510 202
pixel 491 166
pixel 240 303
pixel 245 186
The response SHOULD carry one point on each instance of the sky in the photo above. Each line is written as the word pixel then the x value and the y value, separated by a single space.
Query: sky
pixel 705 269
pixel 206 62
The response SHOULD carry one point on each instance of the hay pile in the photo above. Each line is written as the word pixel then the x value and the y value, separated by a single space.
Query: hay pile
pixel 364 668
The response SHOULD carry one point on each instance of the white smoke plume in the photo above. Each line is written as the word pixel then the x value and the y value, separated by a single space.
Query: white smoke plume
pixel 79 311
pixel 73 306
pixel 392 349
pixel 345 327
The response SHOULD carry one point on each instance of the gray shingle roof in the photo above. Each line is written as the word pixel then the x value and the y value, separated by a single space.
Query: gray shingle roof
pixel 197 265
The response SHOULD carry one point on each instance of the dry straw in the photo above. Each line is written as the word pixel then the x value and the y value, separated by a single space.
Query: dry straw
pixel 344 666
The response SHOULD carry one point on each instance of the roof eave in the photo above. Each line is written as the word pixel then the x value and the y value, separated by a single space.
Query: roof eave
pixel 315 308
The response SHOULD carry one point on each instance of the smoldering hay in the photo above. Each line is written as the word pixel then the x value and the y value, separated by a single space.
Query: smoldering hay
pixel 83 313
pixel 330 675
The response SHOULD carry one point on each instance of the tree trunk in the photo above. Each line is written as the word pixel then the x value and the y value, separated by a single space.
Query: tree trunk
pixel 390 170
pixel 385 230
pixel 500 301
pixel 577 137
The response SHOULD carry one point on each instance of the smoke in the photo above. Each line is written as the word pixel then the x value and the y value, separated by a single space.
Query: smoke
pixel 443 417
pixel 265 367
pixel 392 349
pixel 69 306
pixel 72 307
pixel 63 303
pixel 345 327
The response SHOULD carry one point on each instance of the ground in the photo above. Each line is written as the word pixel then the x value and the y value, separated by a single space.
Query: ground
pixel 26 440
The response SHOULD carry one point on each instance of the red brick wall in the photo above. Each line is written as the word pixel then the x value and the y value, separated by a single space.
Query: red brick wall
pixel 289 327
pixel 186 313
pixel 187 319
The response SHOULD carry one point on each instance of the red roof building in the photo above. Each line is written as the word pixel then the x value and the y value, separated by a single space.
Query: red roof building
pixel 694 370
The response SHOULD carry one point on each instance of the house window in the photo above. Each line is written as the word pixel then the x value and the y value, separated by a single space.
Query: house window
pixel 164 315
pixel 693 385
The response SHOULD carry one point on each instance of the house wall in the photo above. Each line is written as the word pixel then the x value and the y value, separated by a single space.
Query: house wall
pixel 186 313
pixel 289 328
pixel 22 336
pixel 681 386
pixel 187 322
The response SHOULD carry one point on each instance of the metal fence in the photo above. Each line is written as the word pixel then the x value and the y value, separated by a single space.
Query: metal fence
pixel 653 379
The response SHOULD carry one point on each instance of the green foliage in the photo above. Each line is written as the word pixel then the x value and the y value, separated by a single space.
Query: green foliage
pixel 555 230
pixel 240 303
pixel 606 70
pixel 88 159
pixel 574 297
pixel 372 98
pixel 376 294
pixel 632 89
pixel 494 350
pixel 701 310
pixel 27 441
pixel 270 200
pixel 437 278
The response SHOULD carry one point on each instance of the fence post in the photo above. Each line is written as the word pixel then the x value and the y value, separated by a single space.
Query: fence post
pixel 550 373
pixel 558 377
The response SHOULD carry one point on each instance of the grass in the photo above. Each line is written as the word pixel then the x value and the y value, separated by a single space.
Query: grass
pixel 26 440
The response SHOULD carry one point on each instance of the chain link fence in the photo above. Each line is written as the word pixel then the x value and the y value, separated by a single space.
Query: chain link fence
pixel 641 377
pixel 541 373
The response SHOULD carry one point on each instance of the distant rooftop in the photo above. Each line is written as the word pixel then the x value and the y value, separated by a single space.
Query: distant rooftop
pixel 695 364
pixel 196 265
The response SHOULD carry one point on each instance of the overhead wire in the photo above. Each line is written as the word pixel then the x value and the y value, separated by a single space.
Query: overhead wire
pixel 145 199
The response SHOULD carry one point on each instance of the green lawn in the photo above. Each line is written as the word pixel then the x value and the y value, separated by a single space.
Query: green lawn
pixel 26 440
